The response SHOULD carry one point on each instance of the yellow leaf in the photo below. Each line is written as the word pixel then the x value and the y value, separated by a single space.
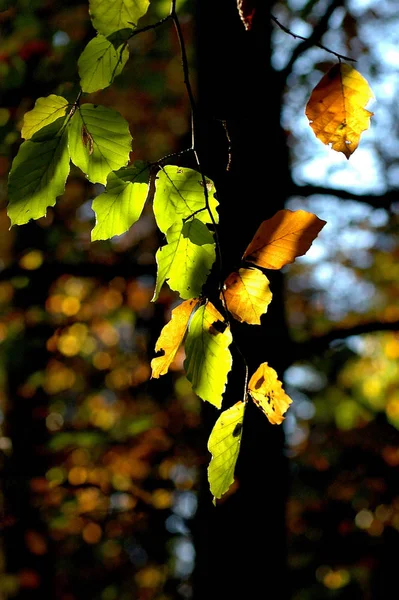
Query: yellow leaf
pixel 268 394
pixel 279 240
pixel 247 295
pixel 224 445
pixel 336 108
pixel 172 336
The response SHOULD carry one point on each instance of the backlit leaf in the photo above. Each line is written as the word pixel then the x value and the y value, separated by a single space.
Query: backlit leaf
pixel 99 141
pixel 208 358
pixel 268 394
pixel 336 108
pixel 179 195
pixel 186 260
pixel 284 237
pixel 172 336
pixel 246 10
pixel 121 205
pixel 100 62
pixel 109 17
pixel 224 445
pixel 38 175
pixel 46 111
pixel 247 295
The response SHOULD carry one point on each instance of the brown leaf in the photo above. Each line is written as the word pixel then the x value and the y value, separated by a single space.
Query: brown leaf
pixel 246 10
pixel 268 394
pixel 172 336
pixel 336 108
pixel 284 237
pixel 247 295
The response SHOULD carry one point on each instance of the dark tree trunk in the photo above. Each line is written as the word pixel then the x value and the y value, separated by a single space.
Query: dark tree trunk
pixel 241 543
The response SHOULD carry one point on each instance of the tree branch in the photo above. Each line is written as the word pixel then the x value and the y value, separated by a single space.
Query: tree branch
pixel 318 31
pixel 318 344
pixel 386 200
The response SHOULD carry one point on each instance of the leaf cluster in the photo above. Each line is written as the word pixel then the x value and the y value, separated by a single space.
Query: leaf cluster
pixel 97 140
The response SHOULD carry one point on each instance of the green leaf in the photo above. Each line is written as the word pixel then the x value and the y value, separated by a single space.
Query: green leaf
pixel 186 260
pixel 108 17
pixel 224 445
pixel 100 62
pixel 99 141
pixel 121 205
pixel 208 358
pixel 46 111
pixel 38 175
pixel 180 194
pixel 197 232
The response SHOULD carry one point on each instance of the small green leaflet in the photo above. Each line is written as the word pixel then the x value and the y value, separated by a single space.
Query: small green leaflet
pixel 224 445
pixel 208 358
pixel 186 260
pixel 100 62
pixel 99 141
pixel 108 17
pixel 121 205
pixel 180 194
pixel 46 111
pixel 38 174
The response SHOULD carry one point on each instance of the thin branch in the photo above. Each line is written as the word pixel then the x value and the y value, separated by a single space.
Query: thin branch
pixel 165 158
pixel 149 27
pixel 386 200
pixel 307 43
pixel 193 107
pixel 186 73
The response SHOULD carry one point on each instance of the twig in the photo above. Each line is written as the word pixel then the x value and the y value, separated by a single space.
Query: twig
pixel 149 27
pixel 193 108
pixel 308 43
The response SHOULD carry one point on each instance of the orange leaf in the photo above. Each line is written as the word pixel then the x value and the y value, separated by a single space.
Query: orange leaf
pixel 284 237
pixel 172 336
pixel 268 394
pixel 246 10
pixel 247 295
pixel 336 108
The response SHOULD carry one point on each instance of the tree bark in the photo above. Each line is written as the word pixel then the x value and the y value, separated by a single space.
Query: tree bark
pixel 241 543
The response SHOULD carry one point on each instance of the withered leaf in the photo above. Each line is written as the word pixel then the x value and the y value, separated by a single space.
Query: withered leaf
pixel 336 108
pixel 172 336
pixel 268 394
pixel 284 237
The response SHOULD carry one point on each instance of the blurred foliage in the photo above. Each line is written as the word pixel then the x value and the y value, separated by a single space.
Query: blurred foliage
pixel 99 462
pixel 343 430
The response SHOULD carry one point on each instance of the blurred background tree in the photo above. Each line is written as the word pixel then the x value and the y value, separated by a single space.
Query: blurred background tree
pixel 102 468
